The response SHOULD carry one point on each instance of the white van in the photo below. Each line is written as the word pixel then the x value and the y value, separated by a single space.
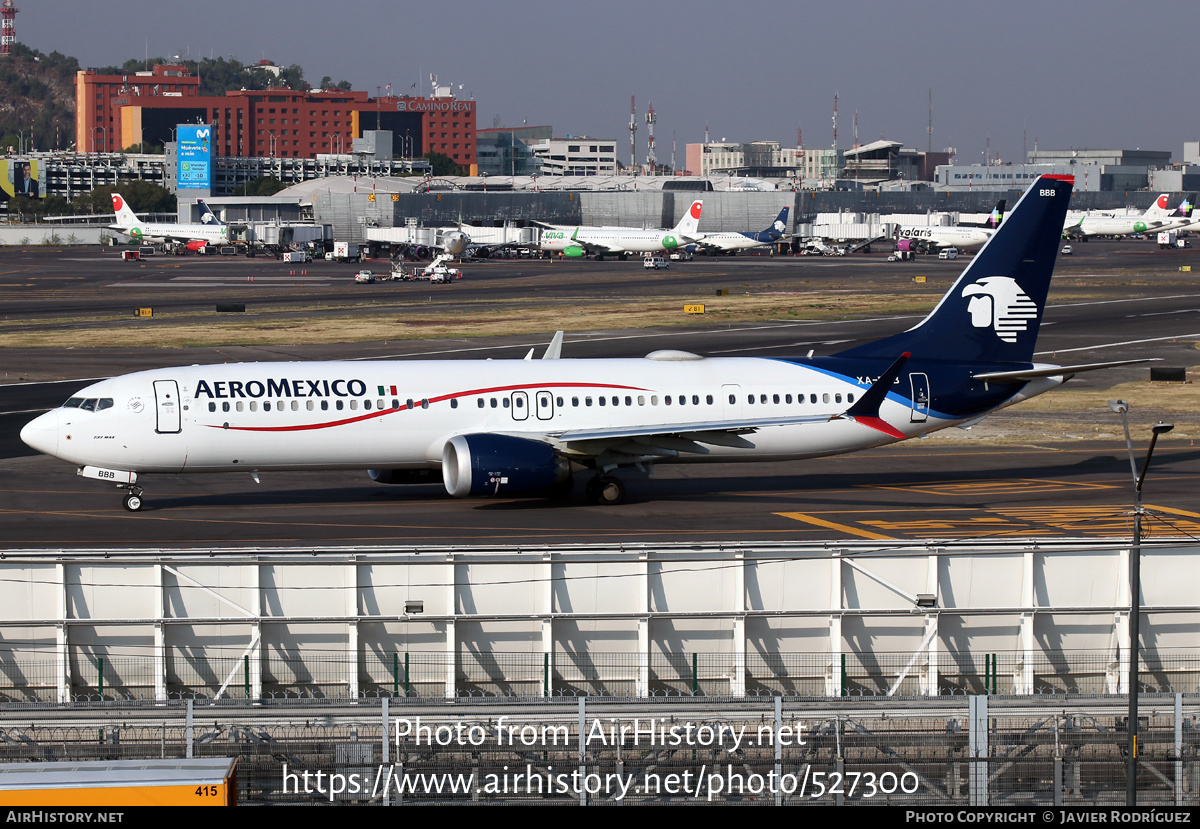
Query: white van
pixel 655 262
pixel 948 253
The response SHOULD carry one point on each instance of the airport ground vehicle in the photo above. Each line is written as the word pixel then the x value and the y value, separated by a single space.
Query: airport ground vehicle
pixel 948 253
pixel 655 262
pixel 344 252
pixel 364 278
pixel 524 427
pixel 209 781
pixel 1067 250
pixel 296 256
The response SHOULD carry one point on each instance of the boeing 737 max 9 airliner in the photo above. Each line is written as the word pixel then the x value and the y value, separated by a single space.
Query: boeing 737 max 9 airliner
pixel 523 427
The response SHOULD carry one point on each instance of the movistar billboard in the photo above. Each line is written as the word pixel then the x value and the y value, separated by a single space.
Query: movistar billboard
pixel 194 157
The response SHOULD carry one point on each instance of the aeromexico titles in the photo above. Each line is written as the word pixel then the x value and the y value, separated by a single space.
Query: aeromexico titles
pixel 526 427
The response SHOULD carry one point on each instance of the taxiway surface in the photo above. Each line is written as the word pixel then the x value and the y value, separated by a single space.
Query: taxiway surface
pixel 1128 301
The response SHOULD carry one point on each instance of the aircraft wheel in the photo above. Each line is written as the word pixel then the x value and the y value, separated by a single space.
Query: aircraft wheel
pixel 606 490
pixel 133 502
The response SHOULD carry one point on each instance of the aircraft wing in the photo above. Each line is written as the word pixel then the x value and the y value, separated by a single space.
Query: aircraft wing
pixel 591 244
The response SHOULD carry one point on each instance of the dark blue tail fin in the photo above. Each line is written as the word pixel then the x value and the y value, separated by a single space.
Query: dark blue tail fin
pixel 207 217
pixel 991 315
pixel 779 226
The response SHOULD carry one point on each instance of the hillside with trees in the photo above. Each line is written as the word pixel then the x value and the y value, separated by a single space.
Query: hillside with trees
pixel 37 91
pixel 37 100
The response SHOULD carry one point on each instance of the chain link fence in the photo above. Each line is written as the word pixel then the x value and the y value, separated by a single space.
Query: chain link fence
pixel 974 751
pixel 179 674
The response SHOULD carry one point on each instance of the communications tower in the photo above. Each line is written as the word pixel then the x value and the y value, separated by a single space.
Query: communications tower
pixel 651 118
pixel 8 26
pixel 632 133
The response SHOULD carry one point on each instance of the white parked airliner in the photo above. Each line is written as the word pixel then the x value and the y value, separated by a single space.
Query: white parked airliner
pixel 523 427
pixel 210 230
pixel 620 241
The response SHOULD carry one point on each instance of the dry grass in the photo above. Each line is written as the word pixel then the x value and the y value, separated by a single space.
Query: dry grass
pixel 478 319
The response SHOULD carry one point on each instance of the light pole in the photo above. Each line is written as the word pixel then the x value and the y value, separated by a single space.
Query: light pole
pixel 1135 590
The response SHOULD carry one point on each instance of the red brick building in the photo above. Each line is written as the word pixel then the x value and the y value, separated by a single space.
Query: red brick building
pixel 118 111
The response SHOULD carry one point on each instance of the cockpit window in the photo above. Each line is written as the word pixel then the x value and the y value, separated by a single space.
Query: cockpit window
pixel 89 404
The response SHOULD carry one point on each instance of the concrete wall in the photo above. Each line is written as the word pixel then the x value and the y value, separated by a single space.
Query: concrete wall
pixel 47 234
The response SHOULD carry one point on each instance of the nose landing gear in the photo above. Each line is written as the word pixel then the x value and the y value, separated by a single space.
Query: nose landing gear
pixel 133 498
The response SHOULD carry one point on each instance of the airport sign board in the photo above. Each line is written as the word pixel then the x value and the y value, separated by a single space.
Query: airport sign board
pixel 194 157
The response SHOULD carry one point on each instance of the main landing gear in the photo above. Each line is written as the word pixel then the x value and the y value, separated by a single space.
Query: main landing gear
pixel 606 490
pixel 133 498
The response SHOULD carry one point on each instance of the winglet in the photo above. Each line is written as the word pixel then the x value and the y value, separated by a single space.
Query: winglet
pixel 866 409
pixel 554 350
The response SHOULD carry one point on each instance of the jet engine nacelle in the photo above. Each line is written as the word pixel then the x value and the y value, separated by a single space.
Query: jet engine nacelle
pixel 500 465
pixel 403 476
pixel 197 245
pixel 454 242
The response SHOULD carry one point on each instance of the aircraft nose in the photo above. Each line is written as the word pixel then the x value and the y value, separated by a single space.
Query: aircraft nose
pixel 41 433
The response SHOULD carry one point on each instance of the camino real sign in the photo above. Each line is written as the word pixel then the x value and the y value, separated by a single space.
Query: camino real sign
pixel 194 157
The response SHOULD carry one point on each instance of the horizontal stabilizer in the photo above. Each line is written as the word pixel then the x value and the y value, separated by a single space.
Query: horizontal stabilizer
pixel 1052 371
pixel 868 405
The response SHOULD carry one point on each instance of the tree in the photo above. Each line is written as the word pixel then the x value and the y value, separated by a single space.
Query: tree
pixel 444 165
pixel 261 186
pixel 141 196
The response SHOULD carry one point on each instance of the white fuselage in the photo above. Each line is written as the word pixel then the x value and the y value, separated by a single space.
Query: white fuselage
pixel 730 241
pixel 347 415
pixel 153 232
pixel 942 237
pixel 609 239
pixel 1118 226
